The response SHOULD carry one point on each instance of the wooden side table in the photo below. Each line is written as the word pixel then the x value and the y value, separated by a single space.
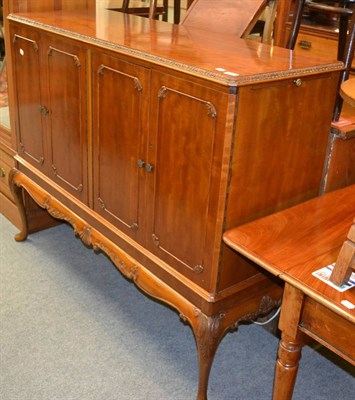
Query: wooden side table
pixel 293 244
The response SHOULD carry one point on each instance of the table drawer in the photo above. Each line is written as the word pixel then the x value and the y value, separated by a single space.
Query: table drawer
pixel 318 46
pixel 328 328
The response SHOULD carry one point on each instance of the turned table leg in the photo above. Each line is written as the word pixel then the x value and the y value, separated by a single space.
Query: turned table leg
pixel 290 346
pixel 289 354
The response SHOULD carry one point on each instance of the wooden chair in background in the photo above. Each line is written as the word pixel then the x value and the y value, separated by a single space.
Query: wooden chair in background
pixel 152 9
pixel 147 9
pixel 234 17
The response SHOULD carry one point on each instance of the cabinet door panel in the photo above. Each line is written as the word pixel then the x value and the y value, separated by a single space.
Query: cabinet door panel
pixel 120 116
pixel 66 65
pixel 30 121
pixel 186 145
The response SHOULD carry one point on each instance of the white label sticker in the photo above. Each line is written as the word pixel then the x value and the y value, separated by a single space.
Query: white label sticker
pixel 324 274
pixel 348 304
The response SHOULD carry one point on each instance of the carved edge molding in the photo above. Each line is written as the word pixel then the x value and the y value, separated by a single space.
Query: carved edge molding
pixel 88 235
pixel 213 76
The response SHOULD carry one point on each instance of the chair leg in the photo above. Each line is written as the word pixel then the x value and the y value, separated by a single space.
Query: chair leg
pixel 343 31
pixel 152 8
pixel 269 22
pixel 166 9
pixel 125 5
pixel 295 24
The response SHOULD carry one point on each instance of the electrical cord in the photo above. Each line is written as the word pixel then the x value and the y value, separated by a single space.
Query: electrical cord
pixel 270 319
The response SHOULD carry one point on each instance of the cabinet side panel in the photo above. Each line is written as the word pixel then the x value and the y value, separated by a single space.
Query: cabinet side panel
pixel 279 151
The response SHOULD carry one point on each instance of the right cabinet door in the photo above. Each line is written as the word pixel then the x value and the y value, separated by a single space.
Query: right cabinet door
pixel 185 151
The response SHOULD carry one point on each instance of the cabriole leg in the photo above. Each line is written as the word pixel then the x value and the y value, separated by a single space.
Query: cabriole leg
pixel 208 331
pixel 17 193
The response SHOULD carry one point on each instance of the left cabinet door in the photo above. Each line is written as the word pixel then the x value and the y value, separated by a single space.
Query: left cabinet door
pixel 51 100
pixel 31 112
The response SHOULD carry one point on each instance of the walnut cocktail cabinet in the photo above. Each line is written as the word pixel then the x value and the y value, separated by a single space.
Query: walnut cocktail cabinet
pixel 151 139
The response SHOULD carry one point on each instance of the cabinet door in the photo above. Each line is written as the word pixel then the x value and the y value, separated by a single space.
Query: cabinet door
pixel 120 101
pixel 186 151
pixel 67 125
pixel 31 112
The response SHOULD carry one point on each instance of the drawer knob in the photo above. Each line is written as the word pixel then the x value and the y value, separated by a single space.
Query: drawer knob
pixel 298 82
pixel 2 173
pixel 305 44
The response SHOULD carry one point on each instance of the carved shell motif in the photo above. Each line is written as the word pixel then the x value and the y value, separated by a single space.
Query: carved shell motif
pixel 86 235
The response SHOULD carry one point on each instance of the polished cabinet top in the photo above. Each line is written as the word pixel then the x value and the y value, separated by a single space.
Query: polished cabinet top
pixel 224 59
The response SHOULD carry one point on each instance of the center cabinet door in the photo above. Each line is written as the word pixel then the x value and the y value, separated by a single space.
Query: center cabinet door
pixel 120 109
pixel 188 139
